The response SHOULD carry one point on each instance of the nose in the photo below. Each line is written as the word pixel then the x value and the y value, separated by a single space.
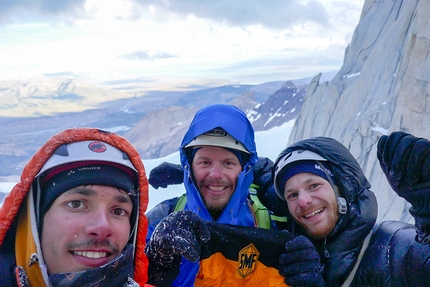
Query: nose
pixel 304 199
pixel 215 171
pixel 99 225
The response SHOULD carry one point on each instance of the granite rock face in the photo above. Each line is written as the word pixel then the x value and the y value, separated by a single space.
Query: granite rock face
pixel 383 86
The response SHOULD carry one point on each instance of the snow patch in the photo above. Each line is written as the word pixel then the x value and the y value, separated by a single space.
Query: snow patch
pixel 380 129
pixel 347 76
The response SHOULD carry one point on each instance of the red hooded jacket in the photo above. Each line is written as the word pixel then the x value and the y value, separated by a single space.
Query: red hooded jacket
pixel 13 205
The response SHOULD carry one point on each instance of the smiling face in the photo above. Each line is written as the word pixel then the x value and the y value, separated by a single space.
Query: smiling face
pixel 85 227
pixel 215 171
pixel 312 203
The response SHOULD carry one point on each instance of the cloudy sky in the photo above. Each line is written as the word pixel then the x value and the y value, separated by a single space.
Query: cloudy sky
pixel 171 41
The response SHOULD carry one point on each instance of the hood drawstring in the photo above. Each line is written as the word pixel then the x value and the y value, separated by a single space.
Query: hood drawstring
pixel 326 253
pixel 232 215
pixel 248 168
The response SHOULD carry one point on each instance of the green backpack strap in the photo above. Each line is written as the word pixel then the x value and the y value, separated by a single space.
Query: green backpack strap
pixel 180 204
pixel 264 217
pixel 279 218
pixel 262 214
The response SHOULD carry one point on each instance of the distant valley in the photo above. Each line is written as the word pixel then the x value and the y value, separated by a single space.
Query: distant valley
pixel 154 122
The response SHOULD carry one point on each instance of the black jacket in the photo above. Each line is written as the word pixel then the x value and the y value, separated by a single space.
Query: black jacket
pixel 392 258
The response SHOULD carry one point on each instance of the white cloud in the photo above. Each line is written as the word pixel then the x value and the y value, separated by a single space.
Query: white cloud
pixel 249 43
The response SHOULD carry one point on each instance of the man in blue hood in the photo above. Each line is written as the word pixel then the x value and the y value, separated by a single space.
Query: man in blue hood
pixel 217 155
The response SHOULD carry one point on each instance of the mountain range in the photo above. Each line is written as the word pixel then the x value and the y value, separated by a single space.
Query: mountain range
pixel 154 122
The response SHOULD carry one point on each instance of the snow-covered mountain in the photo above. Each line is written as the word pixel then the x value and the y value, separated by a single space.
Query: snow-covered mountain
pixel 284 105
pixel 159 132
pixel 153 122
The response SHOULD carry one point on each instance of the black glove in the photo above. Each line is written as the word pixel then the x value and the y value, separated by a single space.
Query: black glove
pixel 182 233
pixel 166 174
pixel 262 172
pixel 405 160
pixel 300 264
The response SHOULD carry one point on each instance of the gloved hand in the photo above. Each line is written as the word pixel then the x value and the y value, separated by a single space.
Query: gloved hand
pixel 262 172
pixel 166 174
pixel 182 233
pixel 405 160
pixel 300 264
pixel 274 203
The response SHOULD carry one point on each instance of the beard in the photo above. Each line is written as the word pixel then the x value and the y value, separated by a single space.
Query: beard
pixel 323 229
pixel 320 232
pixel 215 210
pixel 215 207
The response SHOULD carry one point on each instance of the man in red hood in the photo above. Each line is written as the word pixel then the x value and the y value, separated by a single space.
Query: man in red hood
pixel 77 217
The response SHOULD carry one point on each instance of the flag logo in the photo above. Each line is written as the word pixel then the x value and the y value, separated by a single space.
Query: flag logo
pixel 248 258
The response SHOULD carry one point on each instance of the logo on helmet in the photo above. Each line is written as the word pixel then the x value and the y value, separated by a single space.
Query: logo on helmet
pixel 97 147
pixel 216 133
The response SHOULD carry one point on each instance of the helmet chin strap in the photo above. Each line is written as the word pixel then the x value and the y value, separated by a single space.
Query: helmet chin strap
pixel 35 230
pixel 341 201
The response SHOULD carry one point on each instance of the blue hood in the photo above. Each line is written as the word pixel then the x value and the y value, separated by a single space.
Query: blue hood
pixel 234 122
